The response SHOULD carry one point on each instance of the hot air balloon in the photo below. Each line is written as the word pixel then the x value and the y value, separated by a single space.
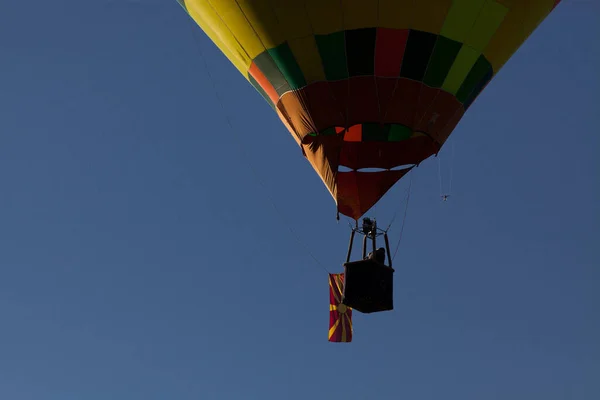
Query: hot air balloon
pixel 368 84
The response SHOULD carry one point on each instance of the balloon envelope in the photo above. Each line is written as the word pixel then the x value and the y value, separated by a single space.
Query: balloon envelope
pixel 368 83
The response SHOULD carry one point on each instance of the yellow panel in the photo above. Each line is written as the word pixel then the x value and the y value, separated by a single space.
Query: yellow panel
pixel 396 14
pixel 293 18
pixel 538 11
pixel 307 55
pixel 463 63
pixel 522 18
pixel 263 20
pixel 507 3
pixel 359 14
pixel 461 18
pixel 487 23
pixel 234 18
pixel 325 16
pixel 429 16
pixel 217 31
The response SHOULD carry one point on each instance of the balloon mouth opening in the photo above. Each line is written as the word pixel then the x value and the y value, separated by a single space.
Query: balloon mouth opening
pixel 343 168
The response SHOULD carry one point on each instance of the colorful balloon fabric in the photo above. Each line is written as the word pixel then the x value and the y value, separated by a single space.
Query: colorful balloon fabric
pixel 377 84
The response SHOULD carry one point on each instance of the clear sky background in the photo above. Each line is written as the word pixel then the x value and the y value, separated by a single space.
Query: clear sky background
pixel 140 257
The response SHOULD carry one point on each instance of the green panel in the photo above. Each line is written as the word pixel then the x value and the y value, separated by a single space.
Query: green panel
pixel 373 132
pixel 478 73
pixel 466 58
pixel 287 64
pixel 478 88
pixel 325 132
pixel 267 66
pixel 332 49
pixel 260 90
pixel 441 61
pixel 328 132
pixel 399 132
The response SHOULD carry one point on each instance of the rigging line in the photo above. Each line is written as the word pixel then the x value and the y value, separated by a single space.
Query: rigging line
pixel 398 209
pixel 241 149
pixel 404 217
pixel 440 174
pixel 451 168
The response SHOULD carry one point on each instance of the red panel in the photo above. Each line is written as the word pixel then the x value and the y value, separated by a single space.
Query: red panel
pixel 385 90
pixel 263 82
pixel 426 98
pixel 353 134
pixel 386 155
pixel 363 104
pixel 323 105
pixel 325 111
pixel 450 125
pixel 389 51
pixel 438 114
pixel 357 192
pixel 403 105
pixel 339 89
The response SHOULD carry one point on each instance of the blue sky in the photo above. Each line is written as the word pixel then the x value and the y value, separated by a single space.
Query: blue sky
pixel 141 258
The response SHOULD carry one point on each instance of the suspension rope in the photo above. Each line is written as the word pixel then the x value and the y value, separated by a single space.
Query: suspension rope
pixel 244 154
pixel 408 191
pixel 397 210
pixel 451 168
pixel 439 163
pixel 445 195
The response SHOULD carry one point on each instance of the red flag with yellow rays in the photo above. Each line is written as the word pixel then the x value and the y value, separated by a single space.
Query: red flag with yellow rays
pixel 340 316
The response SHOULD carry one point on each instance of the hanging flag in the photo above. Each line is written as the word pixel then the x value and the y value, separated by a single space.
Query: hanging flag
pixel 340 316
